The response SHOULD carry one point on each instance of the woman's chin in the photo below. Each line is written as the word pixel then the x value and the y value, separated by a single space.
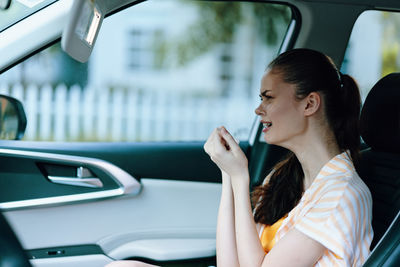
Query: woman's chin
pixel 269 140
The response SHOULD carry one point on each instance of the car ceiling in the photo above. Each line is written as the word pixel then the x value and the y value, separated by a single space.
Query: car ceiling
pixel 112 6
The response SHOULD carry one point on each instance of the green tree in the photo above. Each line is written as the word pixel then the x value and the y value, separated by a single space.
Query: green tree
pixel 69 71
pixel 217 22
pixel 390 43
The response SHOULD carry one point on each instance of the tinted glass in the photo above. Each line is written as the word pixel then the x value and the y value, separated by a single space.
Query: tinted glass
pixel 374 48
pixel 160 71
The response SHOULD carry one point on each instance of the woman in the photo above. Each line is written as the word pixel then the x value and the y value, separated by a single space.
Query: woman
pixel 312 209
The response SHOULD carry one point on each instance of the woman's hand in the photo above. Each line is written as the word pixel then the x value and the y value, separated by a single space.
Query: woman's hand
pixel 226 153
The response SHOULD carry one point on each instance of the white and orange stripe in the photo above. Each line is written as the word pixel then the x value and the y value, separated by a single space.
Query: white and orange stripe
pixel 336 211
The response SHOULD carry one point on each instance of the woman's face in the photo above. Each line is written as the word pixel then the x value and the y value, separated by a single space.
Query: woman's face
pixel 281 113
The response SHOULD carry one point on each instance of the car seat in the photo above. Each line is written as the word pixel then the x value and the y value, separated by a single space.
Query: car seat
pixel 380 167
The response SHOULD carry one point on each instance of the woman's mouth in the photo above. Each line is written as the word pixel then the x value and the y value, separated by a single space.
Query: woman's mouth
pixel 266 126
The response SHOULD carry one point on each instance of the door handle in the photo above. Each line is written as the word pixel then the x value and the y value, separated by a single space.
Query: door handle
pixel 83 178
pixel 76 181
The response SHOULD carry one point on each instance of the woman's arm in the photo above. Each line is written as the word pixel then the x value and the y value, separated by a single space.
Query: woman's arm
pixel 226 238
pixel 250 250
pixel 294 249
pixel 226 153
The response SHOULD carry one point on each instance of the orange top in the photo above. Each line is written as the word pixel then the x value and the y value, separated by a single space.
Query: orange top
pixel 267 236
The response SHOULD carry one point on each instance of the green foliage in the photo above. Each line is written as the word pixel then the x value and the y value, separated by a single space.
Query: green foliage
pixel 390 43
pixel 69 71
pixel 269 19
pixel 390 55
pixel 217 23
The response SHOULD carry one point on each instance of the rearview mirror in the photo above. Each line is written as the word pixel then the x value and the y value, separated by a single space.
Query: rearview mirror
pixel 5 4
pixel 80 33
pixel 12 118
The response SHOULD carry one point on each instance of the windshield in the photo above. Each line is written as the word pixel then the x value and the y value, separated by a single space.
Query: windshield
pixel 161 71
pixel 20 9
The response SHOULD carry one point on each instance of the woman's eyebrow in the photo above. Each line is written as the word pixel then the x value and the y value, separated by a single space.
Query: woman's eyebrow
pixel 263 93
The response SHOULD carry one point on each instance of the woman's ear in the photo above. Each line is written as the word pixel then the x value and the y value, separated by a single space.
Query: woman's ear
pixel 313 102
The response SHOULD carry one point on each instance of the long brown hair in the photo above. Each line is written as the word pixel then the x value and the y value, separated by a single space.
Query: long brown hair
pixel 310 71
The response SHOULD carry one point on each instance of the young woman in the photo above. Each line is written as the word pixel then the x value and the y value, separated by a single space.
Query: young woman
pixel 312 209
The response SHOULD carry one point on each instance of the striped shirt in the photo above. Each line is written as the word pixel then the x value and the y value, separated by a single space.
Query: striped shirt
pixel 336 211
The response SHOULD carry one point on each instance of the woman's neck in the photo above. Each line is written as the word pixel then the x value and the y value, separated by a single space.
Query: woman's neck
pixel 316 152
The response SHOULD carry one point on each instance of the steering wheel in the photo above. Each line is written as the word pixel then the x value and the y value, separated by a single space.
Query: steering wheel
pixel 11 252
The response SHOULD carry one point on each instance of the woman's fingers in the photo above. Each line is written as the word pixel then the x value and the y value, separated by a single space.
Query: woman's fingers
pixel 209 144
pixel 219 142
pixel 231 143
pixel 225 152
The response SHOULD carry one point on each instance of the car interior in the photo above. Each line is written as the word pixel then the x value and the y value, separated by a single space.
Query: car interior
pixel 70 203
pixel 380 166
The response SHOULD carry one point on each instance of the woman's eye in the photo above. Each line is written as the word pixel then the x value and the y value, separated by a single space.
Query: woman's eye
pixel 266 97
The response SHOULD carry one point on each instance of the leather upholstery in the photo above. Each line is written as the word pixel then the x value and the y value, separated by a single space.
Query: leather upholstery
pixel 381 173
pixel 380 116
pixel 380 167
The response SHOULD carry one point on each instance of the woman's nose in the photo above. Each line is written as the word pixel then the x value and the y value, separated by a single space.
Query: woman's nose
pixel 259 110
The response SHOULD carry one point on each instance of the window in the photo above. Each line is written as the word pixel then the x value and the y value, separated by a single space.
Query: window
pixel 160 71
pixel 141 54
pixel 374 48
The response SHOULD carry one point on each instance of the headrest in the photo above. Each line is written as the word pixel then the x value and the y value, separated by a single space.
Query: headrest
pixel 380 115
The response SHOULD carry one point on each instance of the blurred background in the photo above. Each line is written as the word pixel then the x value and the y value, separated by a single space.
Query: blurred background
pixel 173 70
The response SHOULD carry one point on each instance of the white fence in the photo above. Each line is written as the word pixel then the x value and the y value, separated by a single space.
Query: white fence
pixel 120 114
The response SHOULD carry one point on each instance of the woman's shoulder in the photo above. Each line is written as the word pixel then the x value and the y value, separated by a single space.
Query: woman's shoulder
pixel 342 182
pixel 340 188
pixel 346 196
pixel 340 176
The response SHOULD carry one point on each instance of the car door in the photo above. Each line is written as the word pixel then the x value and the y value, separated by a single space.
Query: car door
pixel 112 163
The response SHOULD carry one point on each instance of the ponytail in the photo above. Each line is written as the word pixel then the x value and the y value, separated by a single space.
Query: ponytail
pixel 310 71
pixel 344 117
pixel 281 193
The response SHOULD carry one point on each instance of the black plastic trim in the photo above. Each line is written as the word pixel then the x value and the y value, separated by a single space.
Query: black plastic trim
pixel 296 16
pixel 25 178
pixel 182 161
pixel 208 261
pixel 68 251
